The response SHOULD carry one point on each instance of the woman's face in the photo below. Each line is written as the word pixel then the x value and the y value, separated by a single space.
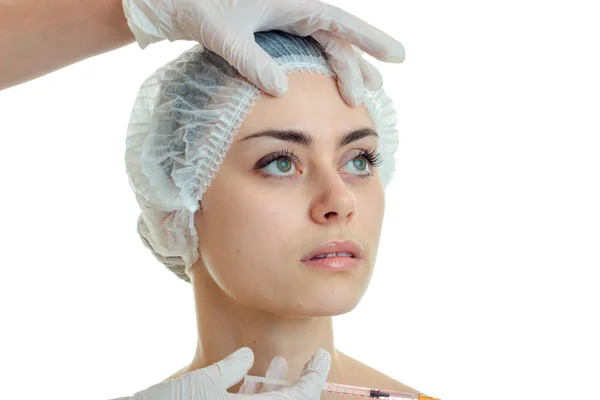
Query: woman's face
pixel 275 200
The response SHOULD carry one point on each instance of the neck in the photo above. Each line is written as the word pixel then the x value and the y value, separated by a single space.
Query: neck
pixel 225 325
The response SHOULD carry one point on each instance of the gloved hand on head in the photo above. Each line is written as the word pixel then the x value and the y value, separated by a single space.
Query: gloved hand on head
pixel 212 382
pixel 227 28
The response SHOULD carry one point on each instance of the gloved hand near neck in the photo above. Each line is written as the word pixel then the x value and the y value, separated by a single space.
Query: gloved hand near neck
pixel 212 382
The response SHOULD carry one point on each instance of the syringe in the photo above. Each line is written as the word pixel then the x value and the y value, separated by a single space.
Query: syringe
pixel 348 390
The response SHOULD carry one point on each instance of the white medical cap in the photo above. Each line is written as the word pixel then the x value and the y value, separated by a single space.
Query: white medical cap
pixel 183 122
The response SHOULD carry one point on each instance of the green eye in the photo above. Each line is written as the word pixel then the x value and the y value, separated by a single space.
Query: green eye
pixel 284 165
pixel 360 163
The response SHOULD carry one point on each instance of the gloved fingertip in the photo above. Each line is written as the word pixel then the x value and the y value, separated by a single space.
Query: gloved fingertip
pixel 232 369
pixel 261 69
pixel 398 54
pixel 353 96
pixel 278 368
pixel 374 85
pixel 371 76
pixel 355 101
pixel 280 86
pixel 244 352
pixel 320 359
pixel 242 359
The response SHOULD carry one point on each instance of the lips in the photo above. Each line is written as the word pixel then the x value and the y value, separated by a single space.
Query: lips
pixel 348 246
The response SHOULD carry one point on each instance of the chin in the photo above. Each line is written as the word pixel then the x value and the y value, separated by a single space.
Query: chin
pixel 313 309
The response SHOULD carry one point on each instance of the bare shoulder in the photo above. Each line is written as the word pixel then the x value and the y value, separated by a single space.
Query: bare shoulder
pixel 367 376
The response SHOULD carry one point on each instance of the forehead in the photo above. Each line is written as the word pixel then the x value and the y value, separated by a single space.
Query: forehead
pixel 312 103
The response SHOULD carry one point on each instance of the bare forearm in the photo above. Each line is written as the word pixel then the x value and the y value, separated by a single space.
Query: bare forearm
pixel 41 36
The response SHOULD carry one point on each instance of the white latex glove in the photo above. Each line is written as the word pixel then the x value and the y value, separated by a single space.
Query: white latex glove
pixel 211 383
pixel 226 27
pixel 278 369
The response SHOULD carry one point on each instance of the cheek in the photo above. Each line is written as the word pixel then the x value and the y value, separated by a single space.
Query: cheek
pixel 249 246
pixel 240 230
pixel 372 204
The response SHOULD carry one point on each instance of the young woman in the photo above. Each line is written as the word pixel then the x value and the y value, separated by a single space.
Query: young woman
pixel 271 208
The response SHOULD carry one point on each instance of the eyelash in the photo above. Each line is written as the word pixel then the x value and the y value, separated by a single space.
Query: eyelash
pixel 372 156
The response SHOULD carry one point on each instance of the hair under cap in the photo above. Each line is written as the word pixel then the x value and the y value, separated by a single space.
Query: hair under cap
pixel 184 120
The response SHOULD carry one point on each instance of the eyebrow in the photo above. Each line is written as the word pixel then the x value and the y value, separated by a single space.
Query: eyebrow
pixel 303 138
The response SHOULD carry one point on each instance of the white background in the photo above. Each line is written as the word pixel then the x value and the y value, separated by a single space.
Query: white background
pixel 486 285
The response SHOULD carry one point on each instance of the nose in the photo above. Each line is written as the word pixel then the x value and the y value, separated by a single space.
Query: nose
pixel 334 203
